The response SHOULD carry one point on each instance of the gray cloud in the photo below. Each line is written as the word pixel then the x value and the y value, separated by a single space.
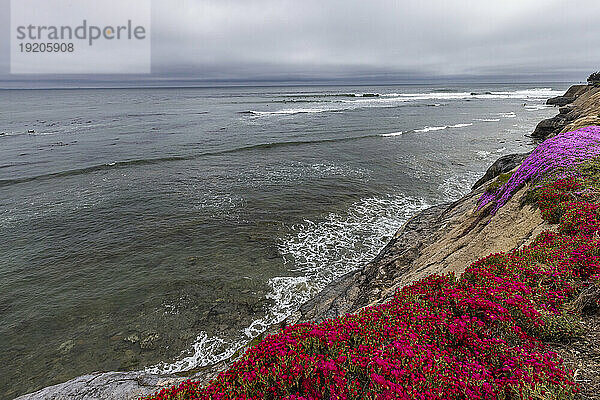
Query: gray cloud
pixel 378 39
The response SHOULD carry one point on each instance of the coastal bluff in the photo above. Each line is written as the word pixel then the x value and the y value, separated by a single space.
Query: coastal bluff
pixel 440 239
pixel 582 110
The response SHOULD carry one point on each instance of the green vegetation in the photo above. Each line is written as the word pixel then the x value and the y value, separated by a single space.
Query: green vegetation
pixel 499 182
pixel 594 78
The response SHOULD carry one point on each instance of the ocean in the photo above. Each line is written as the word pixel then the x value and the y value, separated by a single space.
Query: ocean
pixel 163 228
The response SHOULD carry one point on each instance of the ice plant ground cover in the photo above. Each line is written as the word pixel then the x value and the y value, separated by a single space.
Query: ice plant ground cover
pixel 480 336
pixel 554 156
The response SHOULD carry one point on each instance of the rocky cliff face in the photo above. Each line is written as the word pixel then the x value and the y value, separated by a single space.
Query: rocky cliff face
pixel 444 238
pixel 582 110
pixel 441 239
pixel 570 96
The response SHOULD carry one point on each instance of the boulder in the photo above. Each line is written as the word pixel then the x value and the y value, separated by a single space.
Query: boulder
pixel 551 126
pixel 565 109
pixel 570 95
pixel 502 165
pixel 560 100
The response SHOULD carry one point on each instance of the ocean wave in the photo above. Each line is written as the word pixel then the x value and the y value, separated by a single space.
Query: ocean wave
pixel 532 93
pixel 432 128
pixel 508 115
pixel 353 101
pixel 482 154
pixel 326 94
pixel 391 134
pixel 487 119
pixel 292 111
pixel 153 114
pixel 316 252
pixel 457 186
pixel 459 125
pixel 440 128
pixel 90 169
pixel 536 107
pixel 8 134
pixel 148 161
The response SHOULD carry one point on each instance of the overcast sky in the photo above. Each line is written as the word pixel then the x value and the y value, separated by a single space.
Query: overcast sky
pixel 525 40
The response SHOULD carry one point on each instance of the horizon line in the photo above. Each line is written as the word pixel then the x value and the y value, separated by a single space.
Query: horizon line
pixel 269 83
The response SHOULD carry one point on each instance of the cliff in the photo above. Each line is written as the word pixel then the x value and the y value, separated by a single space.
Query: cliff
pixel 441 239
pixel 582 110
pixel 449 237
pixel 444 238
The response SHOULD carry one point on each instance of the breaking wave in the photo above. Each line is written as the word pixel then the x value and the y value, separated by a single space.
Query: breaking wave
pixel 351 101
pixel 315 253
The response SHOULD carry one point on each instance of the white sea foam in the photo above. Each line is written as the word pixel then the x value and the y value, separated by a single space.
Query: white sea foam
pixel 483 154
pixel 391 134
pixel 536 107
pixel 459 125
pixel 432 128
pixel 292 111
pixel 440 128
pixel 337 102
pixel 532 93
pixel 206 350
pixel 315 253
pixel 508 115
pixel 487 119
pixel 456 186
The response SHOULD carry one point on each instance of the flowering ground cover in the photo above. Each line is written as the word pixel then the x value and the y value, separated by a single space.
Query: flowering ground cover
pixel 480 336
pixel 555 156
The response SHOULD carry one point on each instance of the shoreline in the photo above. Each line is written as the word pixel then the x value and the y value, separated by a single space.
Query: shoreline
pixel 429 234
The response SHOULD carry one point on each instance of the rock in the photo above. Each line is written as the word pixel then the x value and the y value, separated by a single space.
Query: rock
pixel 560 100
pixel 582 122
pixel 565 109
pixel 67 346
pixel 441 239
pixel 577 90
pixel 500 166
pixel 133 338
pixel 570 95
pixel 149 341
pixel 111 385
pixel 549 127
pixel 586 106
pixel 120 385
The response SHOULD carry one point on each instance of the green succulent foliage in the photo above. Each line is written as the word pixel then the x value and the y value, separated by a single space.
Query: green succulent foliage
pixel 498 182
pixel 594 78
